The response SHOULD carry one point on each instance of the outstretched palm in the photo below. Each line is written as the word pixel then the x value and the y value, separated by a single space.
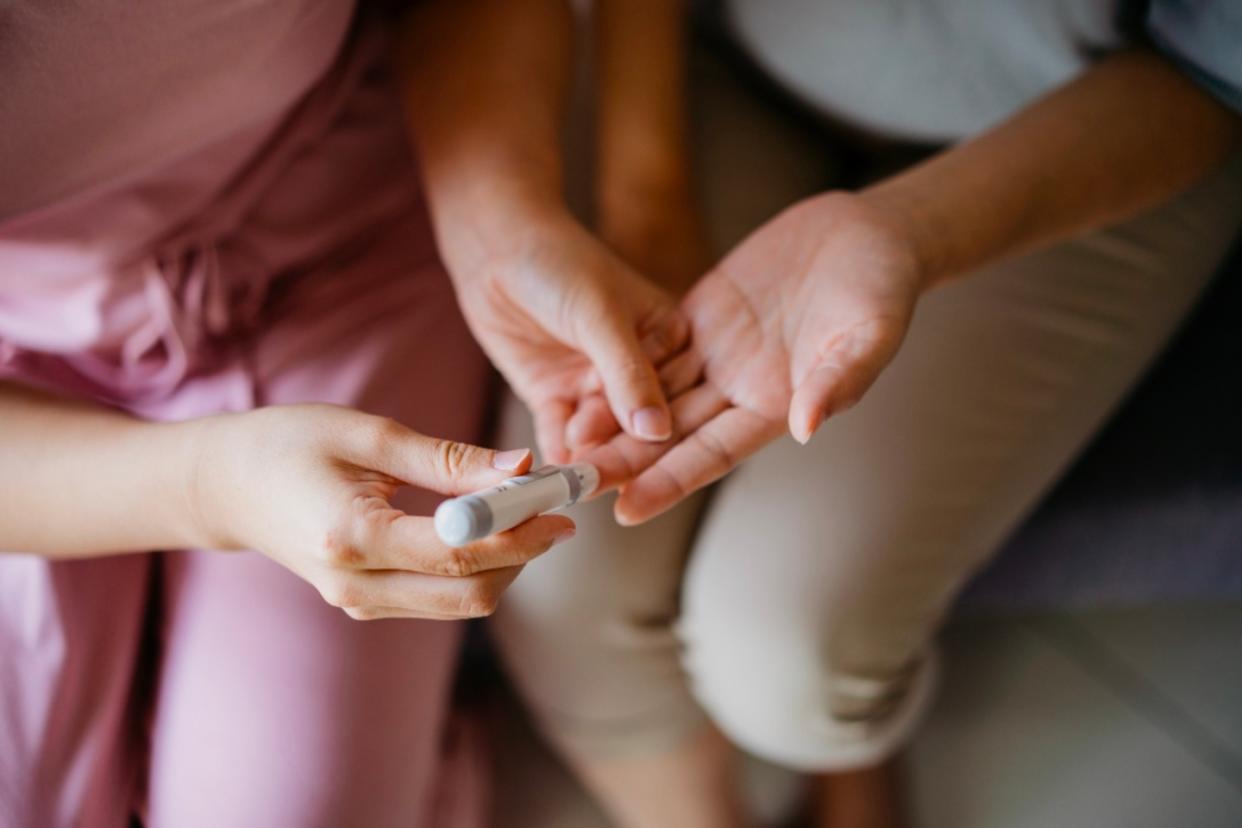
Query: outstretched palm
pixel 793 326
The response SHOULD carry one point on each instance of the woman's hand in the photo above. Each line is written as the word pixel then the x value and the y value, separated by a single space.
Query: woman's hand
pixel 561 315
pixel 566 321
pixel 658 232
pixel 801 318
pixel 310 487
pixel 793 326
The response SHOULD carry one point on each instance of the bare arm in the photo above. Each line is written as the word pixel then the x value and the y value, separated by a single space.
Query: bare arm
pixel 1128 134
pixel 799 320
pixel 644 132
pixel 559 313
pixel 78 479
pixel 645 195
pixel 307 485
pixel 486 84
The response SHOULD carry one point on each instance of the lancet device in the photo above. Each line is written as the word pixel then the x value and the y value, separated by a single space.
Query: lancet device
pixel 472 517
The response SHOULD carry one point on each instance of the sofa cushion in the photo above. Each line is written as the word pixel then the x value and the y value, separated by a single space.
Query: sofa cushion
pixel 1152 512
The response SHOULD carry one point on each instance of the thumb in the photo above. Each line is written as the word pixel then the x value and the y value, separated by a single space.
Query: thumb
pixel 836 382
pixel 440 465
pixel 631 384
pixel 820 395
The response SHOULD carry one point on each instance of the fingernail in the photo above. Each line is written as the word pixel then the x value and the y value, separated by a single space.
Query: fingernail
pixel 510 460
pixel 652 423
pixel 564 535
pixel 811 429
pixel 622 517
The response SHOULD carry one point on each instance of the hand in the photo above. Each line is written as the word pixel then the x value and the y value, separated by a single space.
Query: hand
pixel 564 320
pixel 658 232
pixel 310 487
pixel 793 326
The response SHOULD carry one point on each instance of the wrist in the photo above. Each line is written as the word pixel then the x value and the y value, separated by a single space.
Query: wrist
pixel 914 227
pixel 207 484
pixel 498 227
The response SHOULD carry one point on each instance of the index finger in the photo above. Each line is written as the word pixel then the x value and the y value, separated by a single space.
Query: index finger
pixel 701 458
pixel 623 457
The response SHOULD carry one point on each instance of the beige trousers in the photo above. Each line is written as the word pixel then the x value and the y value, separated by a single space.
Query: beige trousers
pixel 796 606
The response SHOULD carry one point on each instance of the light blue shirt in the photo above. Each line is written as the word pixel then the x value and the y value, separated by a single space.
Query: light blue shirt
pixel 1204 37
pixel 938 71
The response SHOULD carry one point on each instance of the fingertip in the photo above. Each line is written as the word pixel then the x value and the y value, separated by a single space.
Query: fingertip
pixel 559 527
pixel 609 477
pixel 652 423
pixel 803 428
pixel 631 384
pixel 627 513
pixel 622 517
pixel 516 461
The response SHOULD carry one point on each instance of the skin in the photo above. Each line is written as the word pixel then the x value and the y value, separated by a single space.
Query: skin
pixel 562 316
pixel 645 200
pixel 646 212
pixel 822 295
pixel 558 311
pixel 646 208
pixel 797 322
pixel 309 486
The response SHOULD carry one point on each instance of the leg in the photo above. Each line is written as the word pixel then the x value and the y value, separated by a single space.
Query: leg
pixel 585 631
pixel 586 636
pixel 274 708
pixel 71 633
pixel 821 573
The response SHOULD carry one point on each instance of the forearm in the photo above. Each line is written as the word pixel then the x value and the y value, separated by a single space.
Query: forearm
pixel 485 86
pixel 1128 134
pixel 78 480
pixel 643 136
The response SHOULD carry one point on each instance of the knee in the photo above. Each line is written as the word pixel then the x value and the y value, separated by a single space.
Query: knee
pixel 586 635
pixel 772 688
pixel 602 677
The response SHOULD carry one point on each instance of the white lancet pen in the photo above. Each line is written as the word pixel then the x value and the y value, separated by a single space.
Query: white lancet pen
pixel 462 520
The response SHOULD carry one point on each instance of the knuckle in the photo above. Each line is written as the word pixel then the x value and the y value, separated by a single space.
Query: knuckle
pixel 479 601
pixel 459 562
pixel 659 341
pixel 382 432
pixel 632 369
pixel 339 551
pixel 668 335
pixel 449 458
pixel 340 593
pixel 674 485
pixel 719 455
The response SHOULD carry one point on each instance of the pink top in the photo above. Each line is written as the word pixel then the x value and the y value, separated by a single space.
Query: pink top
pixel 98 89
pixel 164 163
pixel 205 206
